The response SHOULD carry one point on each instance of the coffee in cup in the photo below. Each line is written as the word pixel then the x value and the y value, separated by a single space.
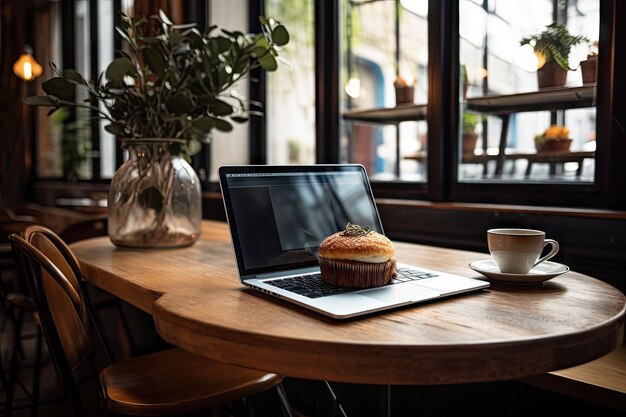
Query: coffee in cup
pixel 517 251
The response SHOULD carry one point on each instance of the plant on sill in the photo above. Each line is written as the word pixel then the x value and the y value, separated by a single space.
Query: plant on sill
pixel 470 121
pixel 173 83
pixel 553 45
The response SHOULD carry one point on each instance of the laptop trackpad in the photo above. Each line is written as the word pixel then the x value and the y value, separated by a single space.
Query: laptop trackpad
pixel 400 293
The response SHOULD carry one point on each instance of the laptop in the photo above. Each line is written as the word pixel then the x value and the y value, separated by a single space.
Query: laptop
pixel 279 215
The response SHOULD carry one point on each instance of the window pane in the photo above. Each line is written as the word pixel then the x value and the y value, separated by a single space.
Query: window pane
pixel 290 109
pixel 513 128
pixel 385 87
pixel 108 144
pixel 231 147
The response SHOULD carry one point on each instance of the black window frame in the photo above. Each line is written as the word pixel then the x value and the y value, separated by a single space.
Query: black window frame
pixel 609 187
pixel 608 190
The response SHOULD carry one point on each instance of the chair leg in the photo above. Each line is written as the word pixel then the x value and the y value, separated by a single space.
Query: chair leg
pixel 284 403
pixel 336 401
pixel 12 382
pixel 34 411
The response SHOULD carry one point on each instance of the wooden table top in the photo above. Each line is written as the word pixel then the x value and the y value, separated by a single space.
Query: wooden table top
pixel 504 332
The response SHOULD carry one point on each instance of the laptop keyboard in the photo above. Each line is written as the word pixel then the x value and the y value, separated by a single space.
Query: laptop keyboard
pixel 312 286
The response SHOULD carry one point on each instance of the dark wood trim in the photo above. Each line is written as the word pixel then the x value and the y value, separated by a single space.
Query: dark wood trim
pixel 68 33
pixel 441 107
pixel 611 98
pixel 117 44
pixel 94 54
pixel 257 127
pixel 327 20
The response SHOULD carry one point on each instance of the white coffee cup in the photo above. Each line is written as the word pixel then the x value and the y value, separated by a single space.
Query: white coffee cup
pixel 517 251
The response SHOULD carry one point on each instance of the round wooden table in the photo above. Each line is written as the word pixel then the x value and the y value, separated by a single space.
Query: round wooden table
pixel 504 332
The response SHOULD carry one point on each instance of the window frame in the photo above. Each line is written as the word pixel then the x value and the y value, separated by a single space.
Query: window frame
pixel 607 190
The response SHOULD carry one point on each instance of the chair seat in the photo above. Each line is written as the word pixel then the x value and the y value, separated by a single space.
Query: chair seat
pixel 176 381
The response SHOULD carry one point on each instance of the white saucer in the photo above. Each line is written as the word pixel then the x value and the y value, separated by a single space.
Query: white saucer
pixel 541 273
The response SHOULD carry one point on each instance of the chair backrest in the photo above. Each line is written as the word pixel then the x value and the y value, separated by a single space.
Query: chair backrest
pixel 52 273
pixel 54 285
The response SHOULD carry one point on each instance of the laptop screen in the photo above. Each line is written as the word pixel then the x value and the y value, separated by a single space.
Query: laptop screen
pixel 279 215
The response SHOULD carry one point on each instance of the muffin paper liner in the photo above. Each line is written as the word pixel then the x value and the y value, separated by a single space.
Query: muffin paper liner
pixel 354 274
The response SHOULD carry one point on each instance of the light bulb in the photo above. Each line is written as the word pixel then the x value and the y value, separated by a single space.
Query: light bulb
pixel 27 68
pixel 353 87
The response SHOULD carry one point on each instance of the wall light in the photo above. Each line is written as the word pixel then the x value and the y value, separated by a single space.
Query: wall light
pixel 26 67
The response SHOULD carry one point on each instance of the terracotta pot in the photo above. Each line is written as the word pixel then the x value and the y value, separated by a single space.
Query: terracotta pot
pixel 589 69
pixel 469 143
pixel 551 75
pixel 554 145
pixel 405 94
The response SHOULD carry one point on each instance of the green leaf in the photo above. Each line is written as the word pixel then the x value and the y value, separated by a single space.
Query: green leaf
pixel 280 35
pixel 240 119
pixel 126 37
pixel 114 129
pixel 117 69
pixel 154 61
pixel 70 74
pixel 152 198
pixel 40 101
pixel 241 65
pixel 203 124
pixel 221 108
pixel 263 20
pixel 268 63
pixel 262 42
pixel 184 26
pixel 195 38
pixel 223 44
pixel 179 104
pixel 260 51
pixel 223 125
pixel 164 18
pixel 59 87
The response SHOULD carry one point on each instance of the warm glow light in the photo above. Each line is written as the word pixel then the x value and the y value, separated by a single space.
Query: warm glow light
pixel 353 87
pixel 28 71
pixel 484 72
pixel 526 58
pixel 541 59
pixel 27 68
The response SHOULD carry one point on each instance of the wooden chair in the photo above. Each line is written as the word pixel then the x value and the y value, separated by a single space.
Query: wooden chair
pixel 164 383
pixel 16 306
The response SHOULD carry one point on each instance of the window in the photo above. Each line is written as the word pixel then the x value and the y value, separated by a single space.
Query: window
pixel 513 129
pixel 384 87
pixel 290 110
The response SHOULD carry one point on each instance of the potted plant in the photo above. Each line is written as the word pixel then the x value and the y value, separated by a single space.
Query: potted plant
pixel 470 137
pixel 163 96
pixel 405 91
pixel 554 138
pixel 590 65
pixel 552 47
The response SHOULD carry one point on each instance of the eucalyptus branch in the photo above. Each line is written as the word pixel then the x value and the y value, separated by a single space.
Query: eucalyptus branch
pixel 171 82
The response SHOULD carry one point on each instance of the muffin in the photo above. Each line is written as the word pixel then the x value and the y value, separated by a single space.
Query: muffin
pixel 357 257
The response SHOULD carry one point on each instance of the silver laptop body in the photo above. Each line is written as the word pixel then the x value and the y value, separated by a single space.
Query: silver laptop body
pixel 278 216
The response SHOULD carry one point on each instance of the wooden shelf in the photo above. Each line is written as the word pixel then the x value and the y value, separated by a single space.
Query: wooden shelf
pixel 391 115
pixel 548 99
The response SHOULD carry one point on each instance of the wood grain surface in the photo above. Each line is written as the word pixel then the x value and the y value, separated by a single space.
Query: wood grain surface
pixel 504 332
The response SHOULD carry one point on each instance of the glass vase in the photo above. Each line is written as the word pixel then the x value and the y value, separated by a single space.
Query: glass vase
pixel 154 197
